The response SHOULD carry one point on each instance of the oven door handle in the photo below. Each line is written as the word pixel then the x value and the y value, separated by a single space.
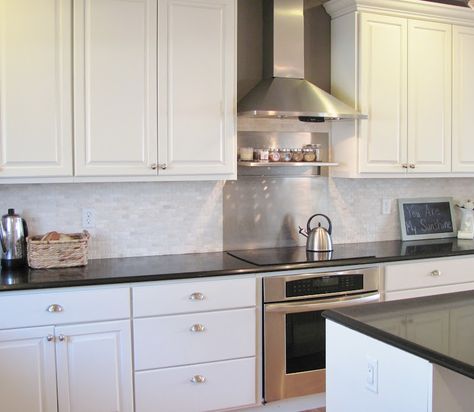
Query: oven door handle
pixel 294 307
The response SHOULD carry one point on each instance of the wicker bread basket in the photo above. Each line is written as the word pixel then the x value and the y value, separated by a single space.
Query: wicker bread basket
pixel 45 253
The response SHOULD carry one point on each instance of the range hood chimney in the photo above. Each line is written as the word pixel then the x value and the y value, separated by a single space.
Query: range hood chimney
pixel 283 93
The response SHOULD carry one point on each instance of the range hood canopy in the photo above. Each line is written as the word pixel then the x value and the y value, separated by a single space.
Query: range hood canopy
pixel 284 93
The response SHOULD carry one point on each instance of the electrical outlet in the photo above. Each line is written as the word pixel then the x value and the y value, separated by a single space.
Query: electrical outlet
pixel 372 374
pixel 386 206
pixel 88 218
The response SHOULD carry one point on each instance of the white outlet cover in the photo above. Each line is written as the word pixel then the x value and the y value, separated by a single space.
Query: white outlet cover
pixel 88 218
pixel 372 374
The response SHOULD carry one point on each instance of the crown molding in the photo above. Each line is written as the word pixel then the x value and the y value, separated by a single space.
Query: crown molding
pixel 420 9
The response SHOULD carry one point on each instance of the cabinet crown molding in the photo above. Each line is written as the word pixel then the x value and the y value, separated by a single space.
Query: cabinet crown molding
pixel 420 9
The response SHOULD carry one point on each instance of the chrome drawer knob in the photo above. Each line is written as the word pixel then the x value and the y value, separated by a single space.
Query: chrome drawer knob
pixel 412 166
pixel 197 328
pixel 436 273
pixel 163 166
pixel 198 379
pixel 50 338
pixel 62 338
pixel 55 308
pixel 405 166
pixel 196 296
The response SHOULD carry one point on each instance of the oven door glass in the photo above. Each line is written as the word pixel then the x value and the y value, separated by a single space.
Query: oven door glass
pixel 305 342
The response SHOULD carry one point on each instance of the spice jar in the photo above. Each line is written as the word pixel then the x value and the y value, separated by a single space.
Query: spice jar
pixel 273 155
pixel 296 155
pixel 309 155
pixel 260 155
pixel 246 154
pixel 285 155
pixel 316 150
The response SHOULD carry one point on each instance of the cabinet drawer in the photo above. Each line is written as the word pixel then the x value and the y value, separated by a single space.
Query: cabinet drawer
pixel 227 384
pixel 185 297
pixel 416 293
pixel 428 273
pixel 78 306
pixel 169 341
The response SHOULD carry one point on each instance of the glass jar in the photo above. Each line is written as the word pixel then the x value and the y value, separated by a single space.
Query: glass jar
pixel 246 154
pixel 296 155
pixel 316 149
pixel 261 155
pixel 285 155
pixel 273 155
pixel 309 155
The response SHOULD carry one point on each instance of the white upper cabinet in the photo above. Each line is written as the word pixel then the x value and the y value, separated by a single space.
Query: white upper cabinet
pixel 405 65
pixel 463 99
pixel 35 88
pixel 196 86
pixel 115 87
pixel 429 96
pixel 383 93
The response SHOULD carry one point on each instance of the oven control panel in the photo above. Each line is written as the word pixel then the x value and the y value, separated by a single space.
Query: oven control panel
pixel 324 284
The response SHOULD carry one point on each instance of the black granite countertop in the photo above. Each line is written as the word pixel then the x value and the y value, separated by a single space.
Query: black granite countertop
pixel 437 328
pixel 186 266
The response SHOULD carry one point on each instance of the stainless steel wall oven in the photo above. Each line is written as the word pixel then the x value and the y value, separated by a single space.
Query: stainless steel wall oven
pixel 294 330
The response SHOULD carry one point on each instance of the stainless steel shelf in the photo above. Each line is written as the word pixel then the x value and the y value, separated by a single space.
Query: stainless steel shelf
pixel 285 164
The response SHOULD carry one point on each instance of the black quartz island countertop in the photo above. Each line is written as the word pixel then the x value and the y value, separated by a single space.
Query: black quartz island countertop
pixel 194 265
pixel 437 328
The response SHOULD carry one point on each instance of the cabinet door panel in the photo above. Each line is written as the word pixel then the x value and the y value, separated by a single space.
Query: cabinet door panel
pixel 383 93
pixel 35 88
pixel 461 333
pixel 28 370
pixel 429 96
pixel 196 73
pixel 115 87
pixel 429 329
pixel 463 99
pixel 94 367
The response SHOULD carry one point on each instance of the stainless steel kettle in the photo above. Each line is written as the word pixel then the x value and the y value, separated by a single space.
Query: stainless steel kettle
pixel 13 233
pixel 318 239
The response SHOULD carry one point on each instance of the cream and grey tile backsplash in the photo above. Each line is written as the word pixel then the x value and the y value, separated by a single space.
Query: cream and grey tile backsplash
pixel 139 219
pixel 132 219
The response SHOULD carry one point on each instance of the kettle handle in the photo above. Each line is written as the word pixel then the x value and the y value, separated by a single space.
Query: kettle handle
pixel 308 228
pixel 25 228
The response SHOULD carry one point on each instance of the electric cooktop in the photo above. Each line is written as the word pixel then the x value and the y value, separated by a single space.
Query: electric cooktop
pixel 292 255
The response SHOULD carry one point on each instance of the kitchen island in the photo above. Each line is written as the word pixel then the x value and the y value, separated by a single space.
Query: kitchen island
pixel 407 355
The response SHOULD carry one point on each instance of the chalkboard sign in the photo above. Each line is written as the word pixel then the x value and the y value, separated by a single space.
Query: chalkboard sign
pixel 427 218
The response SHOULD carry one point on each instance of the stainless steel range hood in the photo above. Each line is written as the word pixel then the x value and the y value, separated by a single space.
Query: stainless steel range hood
pixel 284 92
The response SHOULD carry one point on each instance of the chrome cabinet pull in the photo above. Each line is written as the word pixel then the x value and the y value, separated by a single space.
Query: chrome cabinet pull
pixel 163 166
pixel 198 379
pixel 55 308
pixel 50 338
pixel 154 166
pixel 436 273
pixel 62 338
pixel 196 296
pixel 412 166
pixel 197 328
pixel 404 165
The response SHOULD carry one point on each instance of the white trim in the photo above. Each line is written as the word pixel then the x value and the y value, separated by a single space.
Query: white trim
pixel 419 9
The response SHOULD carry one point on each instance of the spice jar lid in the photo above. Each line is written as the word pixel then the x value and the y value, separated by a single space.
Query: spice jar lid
pixel 284 149
pixel 308 149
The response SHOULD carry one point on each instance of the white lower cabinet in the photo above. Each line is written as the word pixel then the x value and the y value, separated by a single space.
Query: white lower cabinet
pixel 66 350
pixel 94 367
pixel 73 368
pixel 28 370
pixel 203 387
pixel 197 361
